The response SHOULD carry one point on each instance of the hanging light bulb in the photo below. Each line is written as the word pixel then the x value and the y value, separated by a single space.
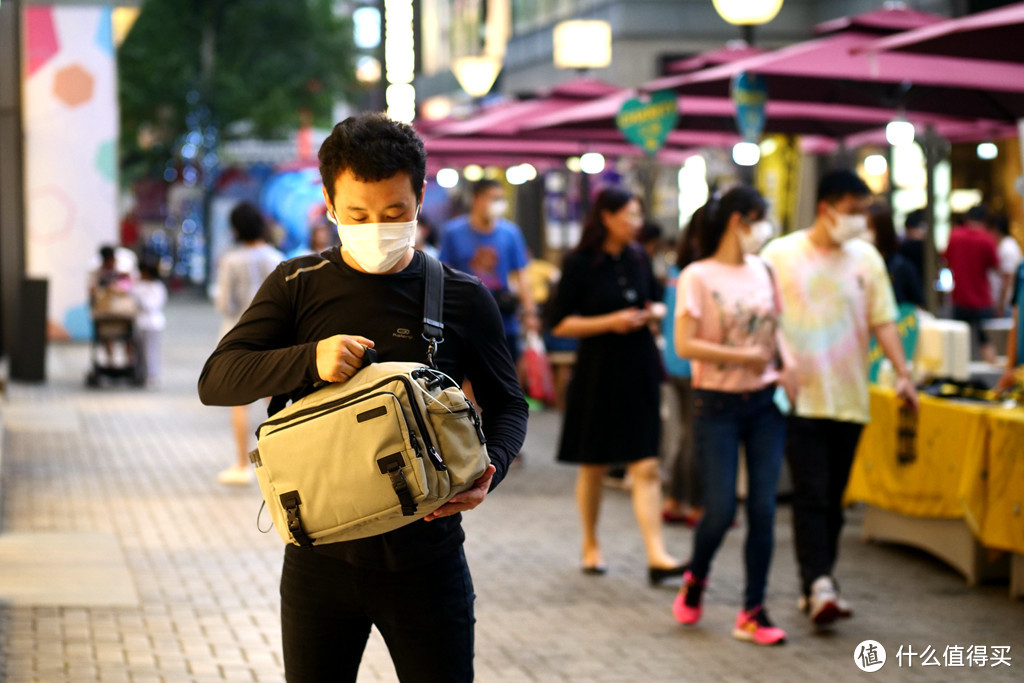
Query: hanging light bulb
pixel 899 132
pixel 746 153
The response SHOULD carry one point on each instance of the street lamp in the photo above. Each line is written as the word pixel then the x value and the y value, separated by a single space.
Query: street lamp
pixel 747 14
pixel 582 44
pixel 476 74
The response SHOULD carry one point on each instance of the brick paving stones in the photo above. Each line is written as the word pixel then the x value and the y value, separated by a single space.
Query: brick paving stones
pixel 140 466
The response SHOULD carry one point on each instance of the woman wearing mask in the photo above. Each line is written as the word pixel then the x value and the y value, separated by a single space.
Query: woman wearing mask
pixel 606 297
pixel 727 325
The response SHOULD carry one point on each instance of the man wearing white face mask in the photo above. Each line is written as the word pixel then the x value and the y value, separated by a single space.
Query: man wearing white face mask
pixel 836 294
pixel 312 321
pixel 485 244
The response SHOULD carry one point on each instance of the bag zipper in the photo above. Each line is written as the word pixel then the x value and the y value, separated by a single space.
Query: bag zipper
pixel 315 411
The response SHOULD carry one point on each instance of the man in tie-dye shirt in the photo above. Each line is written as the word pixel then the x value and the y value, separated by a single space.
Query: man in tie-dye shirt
pixel 836 294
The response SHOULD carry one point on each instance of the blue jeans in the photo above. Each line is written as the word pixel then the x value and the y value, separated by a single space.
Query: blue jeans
pixel 722 421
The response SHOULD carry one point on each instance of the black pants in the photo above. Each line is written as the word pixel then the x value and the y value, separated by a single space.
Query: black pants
pixel 425 615
pixel 820 455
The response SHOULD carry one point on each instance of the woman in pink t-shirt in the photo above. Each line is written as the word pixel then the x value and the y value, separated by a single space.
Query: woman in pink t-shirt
pixel 727 312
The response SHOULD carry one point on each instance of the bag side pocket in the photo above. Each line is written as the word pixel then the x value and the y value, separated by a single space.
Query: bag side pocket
pixel 459 438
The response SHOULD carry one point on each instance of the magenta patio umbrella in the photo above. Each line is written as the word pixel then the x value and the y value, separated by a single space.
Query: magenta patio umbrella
pixel 852 113
pixel 542 152
pixel 997 35
pixel 710 121
pixel 507 117
pixel 494 135
pixel 730 53
pixel 835 69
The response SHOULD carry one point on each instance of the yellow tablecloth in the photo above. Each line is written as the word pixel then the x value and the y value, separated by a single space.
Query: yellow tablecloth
pixel 994 503
pixel 969 464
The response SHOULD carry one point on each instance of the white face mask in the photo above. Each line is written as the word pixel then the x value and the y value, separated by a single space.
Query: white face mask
pixel 377 247
pixel 845 227
pixel 497 208
pixel 760 232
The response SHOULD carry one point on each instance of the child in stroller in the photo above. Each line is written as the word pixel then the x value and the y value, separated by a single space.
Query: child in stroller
pixel 113 311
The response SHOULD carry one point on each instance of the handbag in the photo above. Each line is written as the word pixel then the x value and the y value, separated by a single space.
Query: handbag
pixel 540 384
pixel 374 453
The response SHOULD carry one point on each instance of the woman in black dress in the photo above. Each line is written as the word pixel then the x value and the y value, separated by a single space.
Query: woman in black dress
pixel 606 298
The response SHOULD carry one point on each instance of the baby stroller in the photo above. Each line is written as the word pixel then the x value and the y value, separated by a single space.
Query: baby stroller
pixel 113 313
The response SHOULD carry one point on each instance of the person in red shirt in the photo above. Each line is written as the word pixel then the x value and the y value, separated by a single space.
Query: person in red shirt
pixel 971 254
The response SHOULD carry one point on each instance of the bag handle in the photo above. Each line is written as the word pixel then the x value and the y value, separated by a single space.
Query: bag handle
pixel 433 305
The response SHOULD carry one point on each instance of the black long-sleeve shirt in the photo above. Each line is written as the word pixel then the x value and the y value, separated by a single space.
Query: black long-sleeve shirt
pixel 272 351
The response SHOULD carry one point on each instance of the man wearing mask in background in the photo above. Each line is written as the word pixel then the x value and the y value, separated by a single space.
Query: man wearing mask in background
pixel 312 321
pixel 485 244
pixel 836 293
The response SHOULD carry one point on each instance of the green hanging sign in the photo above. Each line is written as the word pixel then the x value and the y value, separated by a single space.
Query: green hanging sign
pixel 907 326
pixel 647 121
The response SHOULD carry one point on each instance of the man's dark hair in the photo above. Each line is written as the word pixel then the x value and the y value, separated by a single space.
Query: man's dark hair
pixel 481 186
pixel 373 147
pixel 999 225
pixel 649 232
pixel 915 219
pixel 107 252
pixel 838 184
pixel 978 213
pixel 248 223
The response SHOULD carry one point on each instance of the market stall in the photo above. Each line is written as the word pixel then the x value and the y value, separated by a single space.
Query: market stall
pixel 950 481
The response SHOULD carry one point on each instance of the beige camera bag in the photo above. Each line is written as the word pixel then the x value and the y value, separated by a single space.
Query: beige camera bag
pixel 374 453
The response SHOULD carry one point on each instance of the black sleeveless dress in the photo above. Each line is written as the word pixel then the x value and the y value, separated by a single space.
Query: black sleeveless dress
pixel 612 403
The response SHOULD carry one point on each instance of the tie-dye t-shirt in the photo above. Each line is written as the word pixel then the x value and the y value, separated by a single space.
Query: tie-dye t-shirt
pixel 734 305
pixel 832 298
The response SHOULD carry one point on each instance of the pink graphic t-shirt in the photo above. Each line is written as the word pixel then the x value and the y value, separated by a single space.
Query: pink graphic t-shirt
pixel 734 305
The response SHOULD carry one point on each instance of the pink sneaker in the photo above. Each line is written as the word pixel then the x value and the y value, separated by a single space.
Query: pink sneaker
pixel 755 627
pixel 687 606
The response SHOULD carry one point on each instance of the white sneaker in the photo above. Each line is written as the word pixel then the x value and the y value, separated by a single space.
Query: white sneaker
pixel 844 607
pixel 235 476
pixel 823 607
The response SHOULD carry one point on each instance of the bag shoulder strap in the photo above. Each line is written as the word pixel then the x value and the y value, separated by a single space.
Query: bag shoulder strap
pixel 433 305
pixel 433 325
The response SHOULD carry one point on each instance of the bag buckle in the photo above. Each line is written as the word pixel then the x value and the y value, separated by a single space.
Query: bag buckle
pixel 391 465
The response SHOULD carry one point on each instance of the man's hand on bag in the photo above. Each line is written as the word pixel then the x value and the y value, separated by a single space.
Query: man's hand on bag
pixel 339 357
pixel 467 500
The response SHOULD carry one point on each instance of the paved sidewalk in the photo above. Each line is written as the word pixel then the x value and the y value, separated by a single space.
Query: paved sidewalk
pixel 126 561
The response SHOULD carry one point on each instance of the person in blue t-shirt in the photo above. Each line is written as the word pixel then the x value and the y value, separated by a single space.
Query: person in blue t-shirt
pixel 486 245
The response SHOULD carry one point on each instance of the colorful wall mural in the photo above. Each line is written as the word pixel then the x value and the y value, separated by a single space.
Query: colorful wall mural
pixel 71 125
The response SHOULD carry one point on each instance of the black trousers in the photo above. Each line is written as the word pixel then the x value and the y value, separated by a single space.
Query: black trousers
pixel 820 455
pixel 425 615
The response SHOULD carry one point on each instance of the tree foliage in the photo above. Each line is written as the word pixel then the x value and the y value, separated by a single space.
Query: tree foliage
pixel 256 61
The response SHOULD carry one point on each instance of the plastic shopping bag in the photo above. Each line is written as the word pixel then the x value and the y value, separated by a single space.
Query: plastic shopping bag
pixel 540 384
